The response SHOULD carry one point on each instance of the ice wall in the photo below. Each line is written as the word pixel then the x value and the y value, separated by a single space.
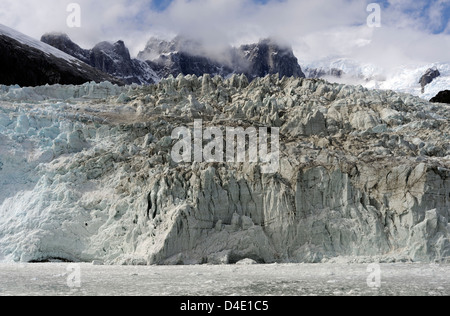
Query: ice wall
pixel 363 174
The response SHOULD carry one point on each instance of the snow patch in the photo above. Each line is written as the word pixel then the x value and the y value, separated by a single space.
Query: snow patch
pixel 403 79
pixel 47 49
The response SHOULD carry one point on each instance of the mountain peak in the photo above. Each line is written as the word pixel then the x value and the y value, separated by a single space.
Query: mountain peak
pixel 56 35
pixel 112 58
pixel 29 62
pixel 189 56
pixel 63 42
pixel 270 57
pixel 156 47
pixel 184 55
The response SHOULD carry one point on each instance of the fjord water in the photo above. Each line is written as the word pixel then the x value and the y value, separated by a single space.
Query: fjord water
pixel 338 279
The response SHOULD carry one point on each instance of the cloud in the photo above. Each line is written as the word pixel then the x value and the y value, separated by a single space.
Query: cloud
pixel 437 14
pixel 429 15
pixel 316 29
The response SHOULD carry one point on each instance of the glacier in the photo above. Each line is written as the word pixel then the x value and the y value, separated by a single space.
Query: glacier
pixel 402 78
pixel 86 174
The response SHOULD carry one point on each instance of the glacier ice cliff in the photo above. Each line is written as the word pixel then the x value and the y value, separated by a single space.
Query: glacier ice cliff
pixel 86 174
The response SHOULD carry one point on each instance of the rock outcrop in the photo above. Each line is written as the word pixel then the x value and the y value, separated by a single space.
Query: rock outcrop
pixel 428 77
pixel 442 97
pixel 268 58
pixel 362 174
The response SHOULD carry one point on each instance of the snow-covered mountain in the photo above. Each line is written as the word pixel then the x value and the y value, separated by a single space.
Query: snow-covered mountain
pixel 181 55
pixel 112 58
pixel 28 62
pixel 270 57
pixel 186 56
pixel 57 59
pixel 406 79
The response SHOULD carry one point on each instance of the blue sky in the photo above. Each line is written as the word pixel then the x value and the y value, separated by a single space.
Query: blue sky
pixel 315 29
pixel 160 5
pixel 419 10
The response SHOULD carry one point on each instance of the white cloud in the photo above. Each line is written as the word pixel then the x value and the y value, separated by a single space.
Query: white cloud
pixel 435 14
pixel 315 29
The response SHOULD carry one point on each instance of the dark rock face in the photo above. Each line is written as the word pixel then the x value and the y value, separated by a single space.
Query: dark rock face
pixel 186 64
pixel 29 66
pixel 63 43
pixel 442 97
pixel 428 77
pixel 113 59
pixel 182 56
pixel 188 57
pixel 267 58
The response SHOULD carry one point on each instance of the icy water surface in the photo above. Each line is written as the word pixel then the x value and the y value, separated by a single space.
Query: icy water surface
pixel 255 280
